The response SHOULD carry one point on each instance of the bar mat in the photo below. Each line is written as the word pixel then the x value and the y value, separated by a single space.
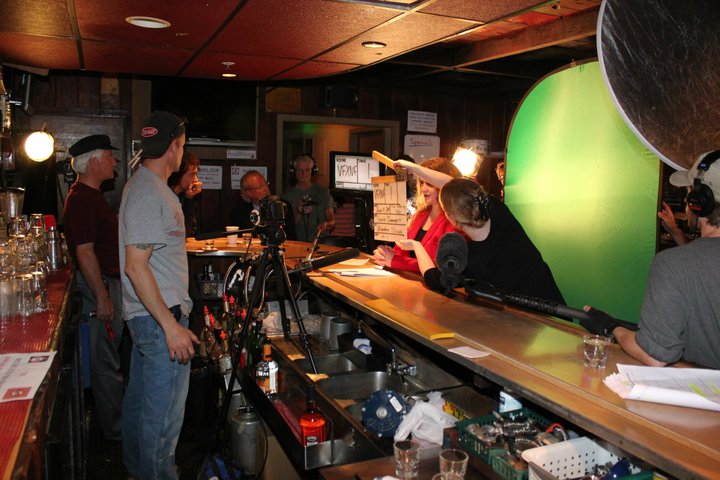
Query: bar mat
pixel 428 329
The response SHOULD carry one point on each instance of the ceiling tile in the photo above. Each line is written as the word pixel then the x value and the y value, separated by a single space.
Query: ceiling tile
pixel 406 34
pixel 37 17
pixel 315 69
pixel 34 51
pixel 144 60
pixel 192 23
pixel 247 67
pixel 297 28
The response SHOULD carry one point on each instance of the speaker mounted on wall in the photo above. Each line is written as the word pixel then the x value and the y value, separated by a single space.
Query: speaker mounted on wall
pixel 340 97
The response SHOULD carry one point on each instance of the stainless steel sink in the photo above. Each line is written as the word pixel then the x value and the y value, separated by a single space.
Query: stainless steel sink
pixel 359 386
pixel 329 364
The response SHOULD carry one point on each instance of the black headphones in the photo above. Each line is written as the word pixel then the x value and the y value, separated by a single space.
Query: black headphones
pixel 701 199
pixel 303 156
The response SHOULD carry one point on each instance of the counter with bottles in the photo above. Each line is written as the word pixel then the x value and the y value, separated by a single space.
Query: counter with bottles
pixel 45 432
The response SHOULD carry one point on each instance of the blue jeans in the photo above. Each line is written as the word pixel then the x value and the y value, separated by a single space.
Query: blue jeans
pixel 154 403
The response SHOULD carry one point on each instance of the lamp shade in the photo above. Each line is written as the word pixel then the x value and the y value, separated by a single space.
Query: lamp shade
pixel 39 146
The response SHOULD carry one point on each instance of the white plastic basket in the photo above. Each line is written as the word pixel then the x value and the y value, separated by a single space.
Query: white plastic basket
pixel 570 459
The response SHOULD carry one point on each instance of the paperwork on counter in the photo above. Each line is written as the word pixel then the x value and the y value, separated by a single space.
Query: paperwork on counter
pixel 685 387
pixel 22 373
pixel 361 272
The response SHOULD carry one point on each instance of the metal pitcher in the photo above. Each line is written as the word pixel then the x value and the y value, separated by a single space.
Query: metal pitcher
pixel 55 252
pixel 11 201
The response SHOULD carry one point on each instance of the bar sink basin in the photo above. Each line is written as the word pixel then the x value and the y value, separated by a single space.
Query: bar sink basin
pixel 359 386
pixel 328 364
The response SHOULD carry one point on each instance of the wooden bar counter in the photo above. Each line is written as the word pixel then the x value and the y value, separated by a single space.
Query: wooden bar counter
pixel 537 356
pixel 540 358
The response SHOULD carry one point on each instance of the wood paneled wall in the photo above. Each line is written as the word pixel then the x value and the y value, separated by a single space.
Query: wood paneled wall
pixel 461 113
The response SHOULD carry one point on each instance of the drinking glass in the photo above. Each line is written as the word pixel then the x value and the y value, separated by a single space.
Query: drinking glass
pixel 39 284
pixel 407 458
pixel 24 295
pixel 596 349
pixel 453 464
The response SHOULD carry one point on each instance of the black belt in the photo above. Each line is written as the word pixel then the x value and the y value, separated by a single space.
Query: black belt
pixel 177 313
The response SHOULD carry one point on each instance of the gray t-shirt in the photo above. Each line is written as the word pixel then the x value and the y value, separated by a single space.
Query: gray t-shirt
pixel 150 213
pixel 680 315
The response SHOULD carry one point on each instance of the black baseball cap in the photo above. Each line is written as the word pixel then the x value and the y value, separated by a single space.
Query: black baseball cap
pixel 88 144
pixel 158 131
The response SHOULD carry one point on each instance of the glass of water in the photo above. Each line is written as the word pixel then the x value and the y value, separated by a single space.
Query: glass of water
pixel 596 349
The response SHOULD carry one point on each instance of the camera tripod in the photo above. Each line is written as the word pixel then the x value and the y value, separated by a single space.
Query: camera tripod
pixel 272 261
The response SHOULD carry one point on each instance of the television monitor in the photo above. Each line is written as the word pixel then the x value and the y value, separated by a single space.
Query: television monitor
pixel 353 171
pixel 215 109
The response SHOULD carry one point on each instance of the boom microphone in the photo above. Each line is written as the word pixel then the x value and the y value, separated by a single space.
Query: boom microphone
pixel 330 259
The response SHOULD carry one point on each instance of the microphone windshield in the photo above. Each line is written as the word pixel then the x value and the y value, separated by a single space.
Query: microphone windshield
pixel 451 259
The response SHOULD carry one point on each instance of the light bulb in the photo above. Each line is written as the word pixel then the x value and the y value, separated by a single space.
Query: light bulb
pixel 39 146
pixel 466 161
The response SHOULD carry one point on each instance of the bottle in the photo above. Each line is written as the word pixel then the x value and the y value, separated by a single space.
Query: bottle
pixel 266 373
pixel 206 272
pixel 227 316
pixel 224 361
pixel 5 110
pixel 312 421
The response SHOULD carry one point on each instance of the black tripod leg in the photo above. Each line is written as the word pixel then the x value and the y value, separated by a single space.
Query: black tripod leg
pixel 284 283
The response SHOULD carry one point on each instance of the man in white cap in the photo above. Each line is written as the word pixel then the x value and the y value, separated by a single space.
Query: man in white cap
pixel 156 303
pixel 91 230
pixel 680 317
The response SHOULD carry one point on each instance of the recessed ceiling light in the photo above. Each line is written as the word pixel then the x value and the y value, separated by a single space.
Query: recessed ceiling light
pixel 147 22
pixel 374 44
pixel 228 73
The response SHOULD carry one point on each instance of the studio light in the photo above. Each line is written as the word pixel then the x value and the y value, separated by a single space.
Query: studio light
pixel 469 155
pixel 39 146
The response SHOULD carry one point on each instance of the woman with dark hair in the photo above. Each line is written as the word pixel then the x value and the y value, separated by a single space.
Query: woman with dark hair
pixel 499 251
pixel 426 226
pixel 186 185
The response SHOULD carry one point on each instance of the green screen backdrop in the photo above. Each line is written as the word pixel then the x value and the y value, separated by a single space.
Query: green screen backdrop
pixel 585 190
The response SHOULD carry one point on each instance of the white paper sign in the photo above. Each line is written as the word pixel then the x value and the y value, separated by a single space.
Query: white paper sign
pixel 389 210
pixel 422 147
pixel 237 172
pixel 211 176
pixel 422 121
pixel 235 153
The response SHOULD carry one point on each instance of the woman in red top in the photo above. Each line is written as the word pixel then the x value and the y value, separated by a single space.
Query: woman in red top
pixel 427 225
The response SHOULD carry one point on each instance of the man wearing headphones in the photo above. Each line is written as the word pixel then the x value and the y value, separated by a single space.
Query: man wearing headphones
pixel 680 317
pixel 312 205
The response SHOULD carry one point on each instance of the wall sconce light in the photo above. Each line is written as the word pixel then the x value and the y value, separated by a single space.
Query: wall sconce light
pixel 39 146
pixel 469 155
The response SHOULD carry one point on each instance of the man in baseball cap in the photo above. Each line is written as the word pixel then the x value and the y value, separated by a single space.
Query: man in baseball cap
pixel 91 230
pixel 156 302
pixel 158 131
pixel 680 316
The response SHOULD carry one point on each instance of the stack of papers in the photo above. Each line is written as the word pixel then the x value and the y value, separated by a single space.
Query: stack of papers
pixel 685 387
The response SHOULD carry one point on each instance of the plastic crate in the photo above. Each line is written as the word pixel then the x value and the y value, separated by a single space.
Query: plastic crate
pixel 571 459
pixel 503 468
pixel 210 288
pixel 480 450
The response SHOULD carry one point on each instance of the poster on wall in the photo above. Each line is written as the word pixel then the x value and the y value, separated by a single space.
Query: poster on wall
pixel 425 122
pixel 422 147
pixel 389 208
pixel 237 172
pixel 210 176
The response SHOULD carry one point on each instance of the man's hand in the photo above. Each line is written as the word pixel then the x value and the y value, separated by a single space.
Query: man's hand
pixel 195 188
pixel 180 341
pixel 600 323
pixel 104 306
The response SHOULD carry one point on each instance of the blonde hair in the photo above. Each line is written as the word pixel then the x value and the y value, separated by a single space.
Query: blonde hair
pixel 439 164
pixel 466 202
